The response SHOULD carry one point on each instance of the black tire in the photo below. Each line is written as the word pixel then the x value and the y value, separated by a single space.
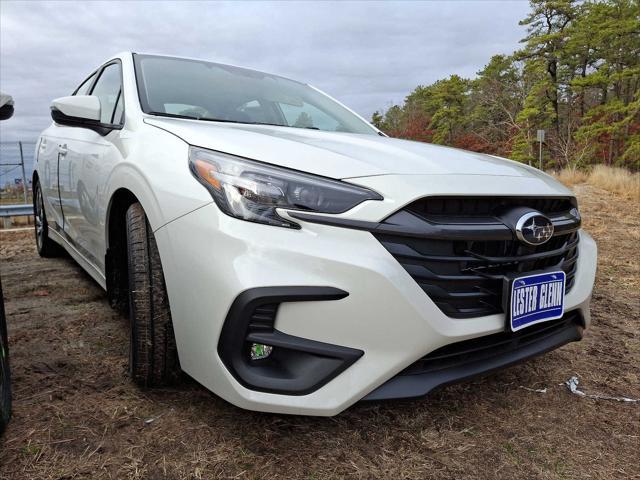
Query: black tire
pixel 46 247
pixel 153 357
pixel 5 373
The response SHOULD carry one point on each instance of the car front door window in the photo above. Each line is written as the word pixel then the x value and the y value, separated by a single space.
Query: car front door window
pixel 107 89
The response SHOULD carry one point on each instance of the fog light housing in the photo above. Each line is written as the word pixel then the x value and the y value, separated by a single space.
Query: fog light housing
pixel 264 359
pixel 259 351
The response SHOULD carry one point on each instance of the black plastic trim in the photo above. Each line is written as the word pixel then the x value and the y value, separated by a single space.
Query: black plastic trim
pixel 95 125
pixel 409 224
pixel 334 221
pixel 408 384
pixel 297 366
pixel 93 80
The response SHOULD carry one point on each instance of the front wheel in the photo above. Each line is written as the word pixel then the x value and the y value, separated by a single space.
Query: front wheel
pixel 46 247
pixel 153 358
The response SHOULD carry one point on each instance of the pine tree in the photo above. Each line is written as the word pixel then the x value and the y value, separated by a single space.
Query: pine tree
pixel 577 76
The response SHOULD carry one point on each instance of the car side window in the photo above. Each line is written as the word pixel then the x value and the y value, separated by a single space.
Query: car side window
pixel 107 89
pixel 83 89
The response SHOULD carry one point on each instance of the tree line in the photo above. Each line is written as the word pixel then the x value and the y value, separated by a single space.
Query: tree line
pixel 577 76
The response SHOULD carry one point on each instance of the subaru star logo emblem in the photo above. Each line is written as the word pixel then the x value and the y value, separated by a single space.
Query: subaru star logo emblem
pixel 534 228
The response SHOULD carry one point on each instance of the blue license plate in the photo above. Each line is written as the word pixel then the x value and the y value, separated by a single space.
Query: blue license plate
pixel 536 298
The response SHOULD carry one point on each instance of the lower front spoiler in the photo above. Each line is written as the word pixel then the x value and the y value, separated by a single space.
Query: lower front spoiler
pixel 478 356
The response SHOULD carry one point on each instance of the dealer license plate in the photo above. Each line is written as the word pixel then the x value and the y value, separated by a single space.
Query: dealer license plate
pixel 536 298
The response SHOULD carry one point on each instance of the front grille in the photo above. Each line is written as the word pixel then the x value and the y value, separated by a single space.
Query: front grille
pixel 482 349
pixel 456 208
pixel 459 251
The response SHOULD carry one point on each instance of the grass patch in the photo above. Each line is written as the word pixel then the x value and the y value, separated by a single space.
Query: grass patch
pixel 572 176
pixel 614 179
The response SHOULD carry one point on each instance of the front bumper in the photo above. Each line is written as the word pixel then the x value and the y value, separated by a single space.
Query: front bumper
pixel 479 356
pixel 209 259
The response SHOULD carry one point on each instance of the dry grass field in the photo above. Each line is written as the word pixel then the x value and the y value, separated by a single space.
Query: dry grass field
pixel 77 415
pixel 616 180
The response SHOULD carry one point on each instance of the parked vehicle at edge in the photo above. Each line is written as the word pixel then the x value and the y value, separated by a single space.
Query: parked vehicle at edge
pixel 290 257
pixel 6 112
pixel 5 372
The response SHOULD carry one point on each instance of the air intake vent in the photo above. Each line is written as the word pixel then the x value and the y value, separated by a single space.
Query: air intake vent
pixel 263 318
pixel 456 355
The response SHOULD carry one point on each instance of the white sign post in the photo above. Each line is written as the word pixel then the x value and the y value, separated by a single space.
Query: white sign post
pixel 540 141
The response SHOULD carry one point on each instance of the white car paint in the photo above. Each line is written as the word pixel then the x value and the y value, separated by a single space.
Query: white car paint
pixel 209 258
pixel 339 155
pixel 83 106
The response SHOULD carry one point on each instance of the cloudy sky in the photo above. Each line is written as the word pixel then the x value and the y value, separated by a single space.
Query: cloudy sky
pixel 368 55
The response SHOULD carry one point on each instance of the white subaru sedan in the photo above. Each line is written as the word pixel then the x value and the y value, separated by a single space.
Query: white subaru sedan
pixel 276 247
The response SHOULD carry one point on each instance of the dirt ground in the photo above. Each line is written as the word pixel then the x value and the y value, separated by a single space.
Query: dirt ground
pixel 77 415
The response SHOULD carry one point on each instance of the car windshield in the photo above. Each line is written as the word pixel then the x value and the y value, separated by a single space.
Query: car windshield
pixel 183 88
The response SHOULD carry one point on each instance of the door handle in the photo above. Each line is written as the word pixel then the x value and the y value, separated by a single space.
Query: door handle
pixel 63 150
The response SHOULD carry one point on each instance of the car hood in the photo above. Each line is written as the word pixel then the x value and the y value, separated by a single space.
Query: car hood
pixel 336 154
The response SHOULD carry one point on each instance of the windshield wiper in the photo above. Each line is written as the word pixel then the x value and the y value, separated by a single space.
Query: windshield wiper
pixel 173 115
pixel 240 122
pixel 208 119
pixel 254 123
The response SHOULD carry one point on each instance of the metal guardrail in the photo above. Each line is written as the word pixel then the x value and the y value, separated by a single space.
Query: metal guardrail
pixel 16 210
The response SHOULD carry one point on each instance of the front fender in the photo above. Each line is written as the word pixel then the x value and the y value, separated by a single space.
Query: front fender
pixel 156 172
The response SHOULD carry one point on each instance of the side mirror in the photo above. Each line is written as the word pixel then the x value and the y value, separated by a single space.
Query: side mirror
pixel 80 111
pixel 6 106
pixel 77 108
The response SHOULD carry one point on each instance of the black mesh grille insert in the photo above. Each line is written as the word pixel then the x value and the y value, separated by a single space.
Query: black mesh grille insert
pixel 482 348
pixel 481 207
pixel 464 275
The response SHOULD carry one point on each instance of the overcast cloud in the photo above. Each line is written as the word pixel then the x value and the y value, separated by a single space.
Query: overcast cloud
pixel 368 55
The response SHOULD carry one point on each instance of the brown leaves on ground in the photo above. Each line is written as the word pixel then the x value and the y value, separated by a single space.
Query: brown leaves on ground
pixel 77 415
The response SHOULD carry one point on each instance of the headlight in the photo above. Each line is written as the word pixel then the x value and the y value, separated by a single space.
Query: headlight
pixel 253 191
